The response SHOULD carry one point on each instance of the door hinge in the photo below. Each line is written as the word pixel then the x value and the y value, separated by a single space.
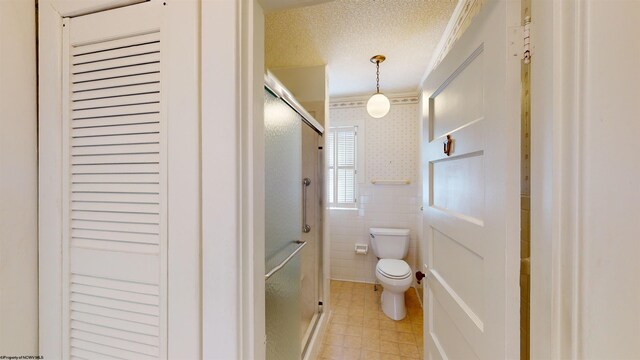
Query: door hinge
pixel 527 40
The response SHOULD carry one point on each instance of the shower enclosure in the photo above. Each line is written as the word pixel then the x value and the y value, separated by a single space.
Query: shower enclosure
pixel 293 224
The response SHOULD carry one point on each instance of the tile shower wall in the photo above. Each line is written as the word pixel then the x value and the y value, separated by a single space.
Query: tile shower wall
pixel 390 153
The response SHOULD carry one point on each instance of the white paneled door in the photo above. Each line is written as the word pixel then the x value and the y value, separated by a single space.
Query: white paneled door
pixel 471 220
pixel 114 186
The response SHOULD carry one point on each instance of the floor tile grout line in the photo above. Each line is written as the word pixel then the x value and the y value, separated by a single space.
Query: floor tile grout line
pixel 359 319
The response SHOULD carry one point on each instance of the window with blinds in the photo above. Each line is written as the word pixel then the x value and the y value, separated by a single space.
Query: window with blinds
pixel 342 157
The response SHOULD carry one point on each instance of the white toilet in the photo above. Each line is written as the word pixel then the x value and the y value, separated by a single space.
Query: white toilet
pixel 391 246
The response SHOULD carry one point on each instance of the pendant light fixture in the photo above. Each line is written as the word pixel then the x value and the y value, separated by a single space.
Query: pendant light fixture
pixel 378 105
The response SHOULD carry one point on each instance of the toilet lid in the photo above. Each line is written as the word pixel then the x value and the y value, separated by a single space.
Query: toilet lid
pixel 393 268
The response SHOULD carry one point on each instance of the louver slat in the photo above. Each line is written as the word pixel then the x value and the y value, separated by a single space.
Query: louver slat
pixel 115 246
pixel 117 334
pixel 116 343
pixel 113 83
pixel 114 304
pixel 132 158
pixel 122 110
pixel 132 70
pixel 115 236
pixel 119 227
pixel 116 217
pixel 88 355
pixel 115 178
pixel 111 140
pixel 144 88
pixel 115 284
pixel 117 101
pixel 116 207
pixel 151 56
pixel 101 50
pixel 115 186
pixel 109 350
pixel 114 323
pixel 116 169
pixel 108 149
pixel 116 314
pixel 116 129
pixel 115 294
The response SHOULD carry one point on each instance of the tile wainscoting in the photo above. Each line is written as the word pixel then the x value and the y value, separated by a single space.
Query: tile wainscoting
pixel 380 206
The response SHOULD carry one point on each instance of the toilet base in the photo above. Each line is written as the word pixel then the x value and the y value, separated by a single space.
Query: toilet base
pixel 393 305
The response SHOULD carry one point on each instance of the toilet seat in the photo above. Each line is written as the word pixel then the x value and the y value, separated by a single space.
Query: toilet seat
pixel 393 269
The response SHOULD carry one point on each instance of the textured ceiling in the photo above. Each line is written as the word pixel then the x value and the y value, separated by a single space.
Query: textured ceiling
pixel 344 34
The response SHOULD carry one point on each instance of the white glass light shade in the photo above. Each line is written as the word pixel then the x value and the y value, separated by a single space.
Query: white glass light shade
pixel 378 105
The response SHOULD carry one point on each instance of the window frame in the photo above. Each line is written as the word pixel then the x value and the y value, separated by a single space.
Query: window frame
pixel 333 190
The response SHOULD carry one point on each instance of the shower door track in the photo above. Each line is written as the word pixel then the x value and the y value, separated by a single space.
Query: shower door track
pixel 311 331
pixel 278 90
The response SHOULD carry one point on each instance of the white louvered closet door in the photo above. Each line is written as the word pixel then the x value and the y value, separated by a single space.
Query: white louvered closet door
pixel 114 179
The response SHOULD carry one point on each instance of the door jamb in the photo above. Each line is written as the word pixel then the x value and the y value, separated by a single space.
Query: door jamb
pixel 557 37
pixel 50 178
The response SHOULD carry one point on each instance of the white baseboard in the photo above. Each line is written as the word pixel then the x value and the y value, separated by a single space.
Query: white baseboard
pixel 355 281
pixel 418 295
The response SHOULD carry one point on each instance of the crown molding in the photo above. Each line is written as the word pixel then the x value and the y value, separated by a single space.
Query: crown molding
pixel 462 15
pixel 361 101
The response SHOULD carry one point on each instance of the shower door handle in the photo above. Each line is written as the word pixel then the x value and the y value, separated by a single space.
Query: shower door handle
pixel 305 184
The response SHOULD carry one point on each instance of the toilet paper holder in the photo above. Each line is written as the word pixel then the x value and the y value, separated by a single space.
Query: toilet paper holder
pixel 361 249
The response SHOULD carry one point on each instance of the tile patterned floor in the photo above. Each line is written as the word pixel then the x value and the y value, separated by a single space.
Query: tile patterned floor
pixel 359 330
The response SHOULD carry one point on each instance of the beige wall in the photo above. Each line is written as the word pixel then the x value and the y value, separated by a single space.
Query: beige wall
pixel 18 179
pixel 316 109
pixel 305 83
pixel 309 87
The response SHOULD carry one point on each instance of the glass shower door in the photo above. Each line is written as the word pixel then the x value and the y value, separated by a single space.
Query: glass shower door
pixel 283 219
pixel 310 256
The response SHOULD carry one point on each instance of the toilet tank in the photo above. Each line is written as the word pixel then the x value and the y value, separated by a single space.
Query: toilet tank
pixel 389 243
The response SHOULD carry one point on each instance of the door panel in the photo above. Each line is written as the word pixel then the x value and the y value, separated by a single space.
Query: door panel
pixel 458 185
pixel 459 100
pixel 471 221
pixel 114 186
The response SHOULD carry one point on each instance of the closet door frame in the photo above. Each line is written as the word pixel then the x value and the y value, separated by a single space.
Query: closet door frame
pixel 182 102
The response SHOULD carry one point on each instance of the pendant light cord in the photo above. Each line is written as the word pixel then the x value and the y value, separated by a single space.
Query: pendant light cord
pixel 378 77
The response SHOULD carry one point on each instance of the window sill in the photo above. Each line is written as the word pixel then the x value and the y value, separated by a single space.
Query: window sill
pixel 343 208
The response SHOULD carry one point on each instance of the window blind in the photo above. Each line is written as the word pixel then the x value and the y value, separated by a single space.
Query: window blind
pixel 341 148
